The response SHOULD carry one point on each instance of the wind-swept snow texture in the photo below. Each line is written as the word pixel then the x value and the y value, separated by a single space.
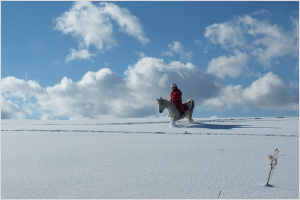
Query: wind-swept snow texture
pixel 146 158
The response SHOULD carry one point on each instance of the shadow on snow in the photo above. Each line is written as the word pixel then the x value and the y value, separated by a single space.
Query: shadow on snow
pixel 218 126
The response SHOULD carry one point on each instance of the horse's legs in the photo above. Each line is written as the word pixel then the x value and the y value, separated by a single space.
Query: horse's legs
pixel 173 120
pixel 189 117
pixel 176 118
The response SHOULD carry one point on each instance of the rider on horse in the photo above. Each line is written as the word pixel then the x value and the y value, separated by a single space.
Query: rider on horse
pixel 176 97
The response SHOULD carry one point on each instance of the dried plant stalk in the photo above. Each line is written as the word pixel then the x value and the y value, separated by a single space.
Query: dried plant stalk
pixel 219 194
pixel 274 159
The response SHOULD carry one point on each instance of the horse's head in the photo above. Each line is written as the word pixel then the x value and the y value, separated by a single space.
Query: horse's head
pixel 161 106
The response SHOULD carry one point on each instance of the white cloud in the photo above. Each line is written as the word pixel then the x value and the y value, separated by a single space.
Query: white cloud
pixel 107 94
pixel 198 42
pixel 274 43
pixel 151 76
pixel 129 23
pixel 79 55
pixel 93 25
pixel 177 49
pixel 228 66
pixel 26 75
pixel 265 41
pixel 10 111
pixel 294 85
pixel 262 12
pixel 87 23
pixel 47 117
pixel 226 34
pixel 268 92
pixel 228 97
pixel 16 86
pixel 142 55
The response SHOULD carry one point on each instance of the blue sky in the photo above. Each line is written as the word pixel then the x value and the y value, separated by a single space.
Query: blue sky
pixel 66 60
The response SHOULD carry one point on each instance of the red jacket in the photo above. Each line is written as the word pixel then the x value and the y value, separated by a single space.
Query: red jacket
pixel 176 95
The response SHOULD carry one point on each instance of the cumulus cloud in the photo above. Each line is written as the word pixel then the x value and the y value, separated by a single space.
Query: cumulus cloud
pixel 231 66
pixel 47 117
pixel 79 55
pixel 177 49
pixel 294 85
pixel 265 41
pixel 226 34
pixel 129 23
pixel 87 24
pixel 152 74
pixel 90 24
pixel 17 87
pixel 274 43
pixel 228 97
pixel 268 92
pixel 10 110
pixel 106 94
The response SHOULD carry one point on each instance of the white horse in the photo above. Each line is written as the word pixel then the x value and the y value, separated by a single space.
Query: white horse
pixel 174 114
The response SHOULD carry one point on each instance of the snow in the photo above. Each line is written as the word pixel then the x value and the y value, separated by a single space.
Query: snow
pixel 146 158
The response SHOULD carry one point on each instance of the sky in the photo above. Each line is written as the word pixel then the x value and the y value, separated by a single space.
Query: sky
pixel 93 60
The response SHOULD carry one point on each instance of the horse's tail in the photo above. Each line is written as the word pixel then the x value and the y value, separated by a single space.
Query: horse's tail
pixel 191 110
pixel 191 101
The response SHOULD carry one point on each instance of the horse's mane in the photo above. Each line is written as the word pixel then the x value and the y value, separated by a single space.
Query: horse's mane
pixel 168 100
pixel 171 102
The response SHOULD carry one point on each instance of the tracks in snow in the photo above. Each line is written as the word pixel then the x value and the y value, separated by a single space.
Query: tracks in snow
pixel 219 120
pixel 202 124
pixel 139 132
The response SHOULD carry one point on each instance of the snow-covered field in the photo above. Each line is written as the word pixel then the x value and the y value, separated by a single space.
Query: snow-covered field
pixel 145 158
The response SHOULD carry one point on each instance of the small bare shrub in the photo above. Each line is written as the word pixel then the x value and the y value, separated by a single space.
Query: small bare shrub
pixel 274 159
